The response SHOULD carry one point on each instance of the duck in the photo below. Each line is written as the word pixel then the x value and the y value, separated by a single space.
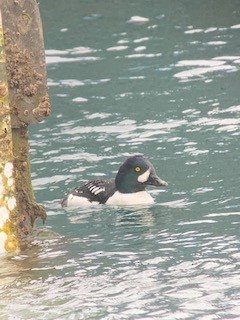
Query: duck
pixel 128 188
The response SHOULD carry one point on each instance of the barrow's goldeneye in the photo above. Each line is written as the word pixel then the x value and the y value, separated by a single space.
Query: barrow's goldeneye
pixel 128 188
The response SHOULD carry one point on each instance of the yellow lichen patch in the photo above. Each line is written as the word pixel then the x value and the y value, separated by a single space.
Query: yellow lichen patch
pixel 10 182
pixel 8 169
pixel 11 244
pixel 1 188
pixel 3 238
pixel 11 202
pixel 4 216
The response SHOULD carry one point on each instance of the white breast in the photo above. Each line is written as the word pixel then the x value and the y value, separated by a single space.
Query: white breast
pixel 137 198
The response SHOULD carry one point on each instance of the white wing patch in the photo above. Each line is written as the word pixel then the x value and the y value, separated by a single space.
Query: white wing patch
pixel 95 189
pixel 144 177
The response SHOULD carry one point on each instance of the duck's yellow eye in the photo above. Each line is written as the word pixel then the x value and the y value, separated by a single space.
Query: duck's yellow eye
pixel 137 169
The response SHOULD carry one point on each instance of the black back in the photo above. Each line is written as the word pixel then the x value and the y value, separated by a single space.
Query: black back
pixel 96 190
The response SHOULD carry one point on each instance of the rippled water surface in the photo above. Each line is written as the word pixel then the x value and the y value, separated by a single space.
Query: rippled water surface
pixel 160 78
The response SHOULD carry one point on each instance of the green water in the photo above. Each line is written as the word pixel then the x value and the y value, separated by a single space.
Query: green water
pixel 166 86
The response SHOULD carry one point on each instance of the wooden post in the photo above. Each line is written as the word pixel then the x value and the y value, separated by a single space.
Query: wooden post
pixel 23 100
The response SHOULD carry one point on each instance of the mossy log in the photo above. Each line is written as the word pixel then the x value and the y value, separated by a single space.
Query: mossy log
pixel 23 100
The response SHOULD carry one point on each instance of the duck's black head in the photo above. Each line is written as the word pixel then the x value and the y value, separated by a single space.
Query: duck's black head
pixel 135 174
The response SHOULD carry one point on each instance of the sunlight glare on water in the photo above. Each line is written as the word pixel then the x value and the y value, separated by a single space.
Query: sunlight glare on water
pixel 159 78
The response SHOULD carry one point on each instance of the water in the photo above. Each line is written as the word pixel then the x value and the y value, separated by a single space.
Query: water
pixel 165 85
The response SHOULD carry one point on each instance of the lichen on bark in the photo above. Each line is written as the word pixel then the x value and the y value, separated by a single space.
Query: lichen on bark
pixel 22 90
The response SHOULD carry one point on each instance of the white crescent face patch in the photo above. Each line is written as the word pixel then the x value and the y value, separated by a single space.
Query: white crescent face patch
pixel 144 177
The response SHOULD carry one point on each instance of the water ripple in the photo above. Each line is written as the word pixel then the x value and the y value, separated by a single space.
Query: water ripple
pixel 70 55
